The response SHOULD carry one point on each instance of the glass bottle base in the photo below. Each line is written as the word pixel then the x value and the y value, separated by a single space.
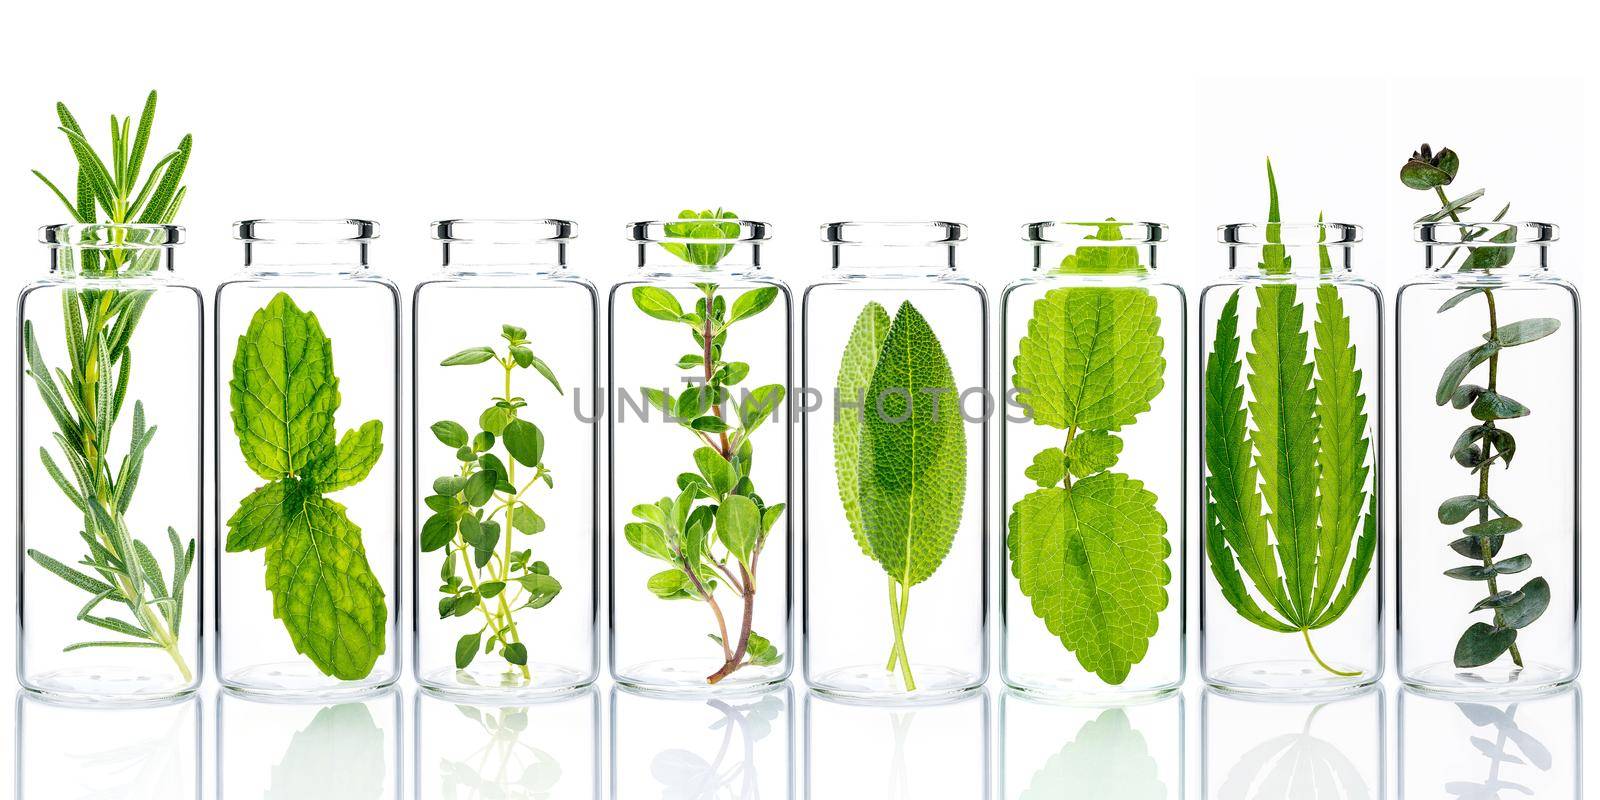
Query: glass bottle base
pixel 688 676
pixel 873 682
pixel 1055 687
pixel 1445 678
pixel 1300 677
pixel 296 679
pixel 543 680
pixel 101 685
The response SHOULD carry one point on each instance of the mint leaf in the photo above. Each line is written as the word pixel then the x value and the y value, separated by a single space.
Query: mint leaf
pixel 1092 451
pixel 284 394
pixel 353 460
pixel 855 373
pixel 1091 358
pixel 1092 559
pixel 913 453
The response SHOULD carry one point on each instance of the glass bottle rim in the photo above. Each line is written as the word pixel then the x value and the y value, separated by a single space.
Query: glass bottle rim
pixel 305 231
pixel 923 233
pixel 1076 232
pixel 1289 234
pixel 504 231
pixel 111 234
pixel 1498 234
pixel 661 231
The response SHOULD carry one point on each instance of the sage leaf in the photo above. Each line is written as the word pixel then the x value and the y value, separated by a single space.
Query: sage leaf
pixel 856 365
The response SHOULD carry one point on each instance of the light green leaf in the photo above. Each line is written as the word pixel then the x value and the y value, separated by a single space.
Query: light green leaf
pixel 524 442
pixel 358 451
pixel 913 471
pixel 855 373
pixel 1092 358
pixel 471 355
pixel 1092 451
pixel 323 590
pixel 1048 468
pixel 452 434
pixel 716 469
pixel 739 526
pixel 1342 443
pixel 657 302
pixel 1092 558
pixel 283 393
pixel 751 303
pixel 671 584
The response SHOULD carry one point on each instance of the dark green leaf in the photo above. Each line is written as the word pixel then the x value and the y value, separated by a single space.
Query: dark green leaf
pixel 1481 644
pixel 1490 406
pixel 1458 297
pixel 1457 370
pixel 1524 331
pixel 489 589
pixel 516 653
pixel 495 419
pixel 1494 527
pixel 541 588
pixel 1529 605
pixel 1513 565
pixel 479 488
pixel 1474 572
pixel 467 648
pixel 525 442
pixel 437 532
pixel 1457 508
pixel 1473 548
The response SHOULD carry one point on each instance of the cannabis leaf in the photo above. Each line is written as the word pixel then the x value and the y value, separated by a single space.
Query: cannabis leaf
pixel 908 458
pixel 1089 548
pixel 1306 458
pixel 283 397
pixel 1108 759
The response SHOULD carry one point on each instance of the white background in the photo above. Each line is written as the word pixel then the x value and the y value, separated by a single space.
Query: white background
pixel 991 114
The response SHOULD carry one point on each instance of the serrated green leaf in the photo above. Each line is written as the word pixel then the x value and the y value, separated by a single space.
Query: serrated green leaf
pixel 1092 558
pixel 1048 468
pixel 1342 443
pixel 913 457
pixel 354 458
pixel 856 365
pixel 1092 358
pixel 1092 451
pixel 283 393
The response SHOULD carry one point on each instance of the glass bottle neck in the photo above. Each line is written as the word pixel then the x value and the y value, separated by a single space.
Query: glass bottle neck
pixel 1293 259
pixel 1095 258
pixel 886 261
pixel 480 258
pixel 103 263
pixel 714 257
pixel 306 258
pixel 1487 260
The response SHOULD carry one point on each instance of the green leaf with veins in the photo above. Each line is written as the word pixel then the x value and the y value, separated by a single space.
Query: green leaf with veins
pixel 283 395
pixel 1091 358
pixel 1092 559
pixel 855 373
pixel 913 453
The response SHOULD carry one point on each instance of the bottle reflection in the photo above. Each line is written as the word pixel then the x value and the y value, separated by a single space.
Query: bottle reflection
pixel 897 750
pixel 1256 748
pixel 129 753
pixel 278 750
pixel 693 747
pixel 541 750
pixel 1481 749
pixel 1060 749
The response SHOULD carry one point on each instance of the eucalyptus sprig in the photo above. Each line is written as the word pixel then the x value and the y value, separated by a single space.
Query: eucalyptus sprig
pixel 1485 442
pixel 483 571
pixel 712 531
pixel 86 399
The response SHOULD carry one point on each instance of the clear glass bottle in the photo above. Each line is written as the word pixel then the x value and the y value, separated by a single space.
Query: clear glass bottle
pixel 1487 463
pixel 504 374
pixel 895 356
pixel 109 485
pixel 1291 409
pixel 700 565
pixel 1093 487
pixel 308 462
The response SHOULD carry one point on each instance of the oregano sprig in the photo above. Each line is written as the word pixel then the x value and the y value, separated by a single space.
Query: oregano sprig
pixel 477 509
pixel 86 399
pixel 712 531
pixel 1486 441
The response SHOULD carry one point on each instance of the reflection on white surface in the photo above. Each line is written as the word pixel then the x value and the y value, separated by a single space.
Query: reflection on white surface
pixel 688 748
pixel 1483 749
pixel 902 750
pixel 296 751
pixel 543 750
pixel 1255 749
pixel 1057 749
pixel 127 753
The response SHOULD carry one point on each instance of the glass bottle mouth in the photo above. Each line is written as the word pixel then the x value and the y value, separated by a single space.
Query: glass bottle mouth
pixel 1289 234
pixel 105 235
pixel 305 231
pixel 894 248
pixel 505 246
pixel 1503 234
pixel 306 246
pixel 505 231
pixel 894 234
pixel 677 231
pixel 1109 232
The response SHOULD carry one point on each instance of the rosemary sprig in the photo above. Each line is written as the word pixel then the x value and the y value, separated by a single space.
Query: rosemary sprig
pixel 86 399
